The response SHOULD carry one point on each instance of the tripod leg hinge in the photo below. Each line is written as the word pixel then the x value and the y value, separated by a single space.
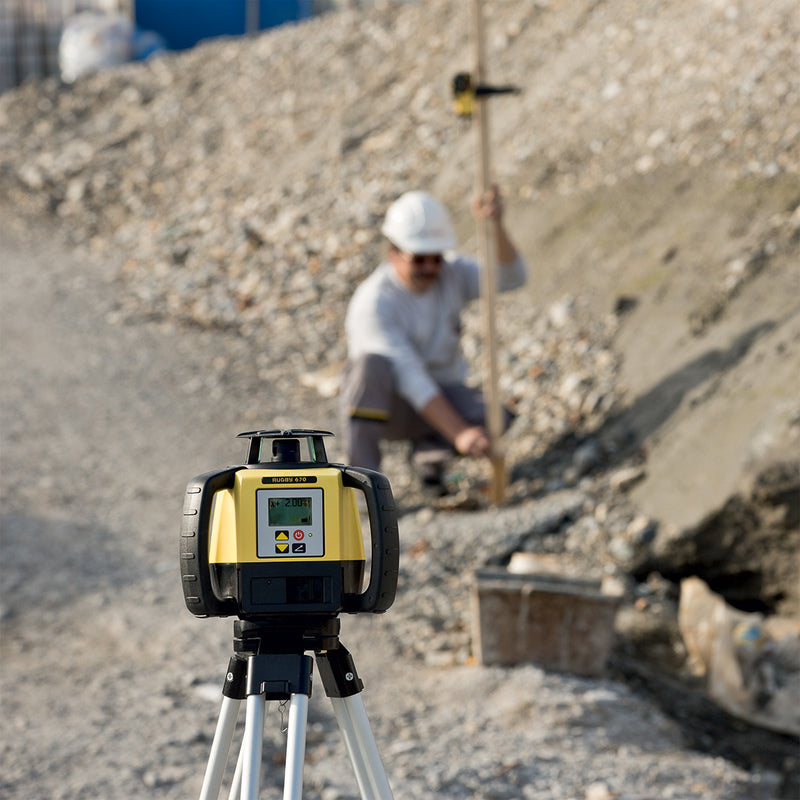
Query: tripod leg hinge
pixel 338 672
pixel 235 685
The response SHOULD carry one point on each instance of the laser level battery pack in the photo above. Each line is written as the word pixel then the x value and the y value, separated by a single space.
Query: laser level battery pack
pixel 281 534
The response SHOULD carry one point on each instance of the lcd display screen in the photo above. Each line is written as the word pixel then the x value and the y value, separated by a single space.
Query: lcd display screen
pixel 289 511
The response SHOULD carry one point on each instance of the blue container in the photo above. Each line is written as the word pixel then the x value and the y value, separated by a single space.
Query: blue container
pixel 183 23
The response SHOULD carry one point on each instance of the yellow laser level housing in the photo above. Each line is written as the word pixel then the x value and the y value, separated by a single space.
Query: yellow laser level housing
pixel 284 537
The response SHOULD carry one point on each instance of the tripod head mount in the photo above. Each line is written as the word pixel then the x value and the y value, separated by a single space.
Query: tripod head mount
pixel 278 539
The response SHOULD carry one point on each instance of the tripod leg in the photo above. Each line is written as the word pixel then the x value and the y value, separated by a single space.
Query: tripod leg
pixel 349 735
pixel 343 687
pixel 220 747
pixel 252 745
pixel 295 747
pixel 363 749
pixel 236 783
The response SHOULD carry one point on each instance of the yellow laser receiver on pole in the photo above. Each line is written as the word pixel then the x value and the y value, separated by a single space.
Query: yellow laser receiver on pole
pixel 466 93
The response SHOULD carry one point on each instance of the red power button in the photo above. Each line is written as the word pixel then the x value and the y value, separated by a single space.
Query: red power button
pixel 298 535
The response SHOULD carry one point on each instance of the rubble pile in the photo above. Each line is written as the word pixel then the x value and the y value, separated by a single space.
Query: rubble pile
pixel 243 181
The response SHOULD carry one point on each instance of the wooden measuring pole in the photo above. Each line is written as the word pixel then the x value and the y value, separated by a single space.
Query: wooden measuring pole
pixel 487 243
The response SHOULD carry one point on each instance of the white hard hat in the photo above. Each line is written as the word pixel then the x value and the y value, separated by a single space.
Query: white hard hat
pixel 418 223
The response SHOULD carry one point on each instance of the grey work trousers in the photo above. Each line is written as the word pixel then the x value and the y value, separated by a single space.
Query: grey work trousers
pixel 373 411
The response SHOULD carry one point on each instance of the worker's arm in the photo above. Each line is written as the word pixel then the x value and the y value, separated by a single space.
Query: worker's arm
pixel 469 440
pixel 489 205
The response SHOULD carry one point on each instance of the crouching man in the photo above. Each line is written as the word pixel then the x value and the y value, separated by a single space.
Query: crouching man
pixel 405 375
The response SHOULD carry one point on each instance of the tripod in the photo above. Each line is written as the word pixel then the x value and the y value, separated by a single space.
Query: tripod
pixel 269 663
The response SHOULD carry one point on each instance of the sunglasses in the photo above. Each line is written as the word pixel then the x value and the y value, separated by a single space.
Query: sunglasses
pixel 418 259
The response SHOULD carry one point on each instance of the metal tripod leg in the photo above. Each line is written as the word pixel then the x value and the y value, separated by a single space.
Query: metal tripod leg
pixel 343 687
pixel 252 746
pixel 361 747
pixel 220 748
pixel 348 733
pixel 260 678
pixel 232 696
pixel 236 783
pixel 295 747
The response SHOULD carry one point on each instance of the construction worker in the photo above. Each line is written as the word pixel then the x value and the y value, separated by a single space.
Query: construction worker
pixel 405 373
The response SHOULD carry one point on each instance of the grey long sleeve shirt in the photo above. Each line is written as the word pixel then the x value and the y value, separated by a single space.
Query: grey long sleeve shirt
pixel 420 333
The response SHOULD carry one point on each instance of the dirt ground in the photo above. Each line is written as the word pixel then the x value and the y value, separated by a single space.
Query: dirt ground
pixel 105 676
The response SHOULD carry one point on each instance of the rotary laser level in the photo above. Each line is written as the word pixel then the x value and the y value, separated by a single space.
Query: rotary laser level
pixel 277 541
pixel 282 536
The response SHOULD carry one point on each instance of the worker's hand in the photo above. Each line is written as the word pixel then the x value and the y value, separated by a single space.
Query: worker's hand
pixel 473 441
pixel 488 205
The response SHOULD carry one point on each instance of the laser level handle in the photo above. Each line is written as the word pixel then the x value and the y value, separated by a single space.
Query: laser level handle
pixel 380 592
pixel 198 591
